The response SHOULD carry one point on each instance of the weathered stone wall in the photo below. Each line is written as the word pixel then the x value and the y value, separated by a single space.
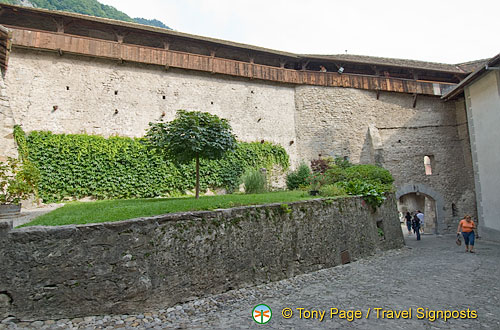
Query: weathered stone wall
pixel 7 144
pixel 121 267
pixel 305 120
pixel 390 132
pixel 87 92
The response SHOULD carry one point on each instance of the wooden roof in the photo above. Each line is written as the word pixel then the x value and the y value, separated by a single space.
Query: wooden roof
pixel 459 89
pixel 107 38
pixel 137 26
pixel 5 44
pixel 393 62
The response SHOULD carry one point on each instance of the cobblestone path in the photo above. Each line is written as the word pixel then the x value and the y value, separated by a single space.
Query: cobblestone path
pixel 432 274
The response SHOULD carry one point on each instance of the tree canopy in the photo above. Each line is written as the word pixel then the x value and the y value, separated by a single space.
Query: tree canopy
pixel 87 7
pixel 193 135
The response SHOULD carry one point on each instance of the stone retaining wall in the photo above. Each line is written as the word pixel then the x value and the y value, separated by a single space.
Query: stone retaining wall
pixel 133 265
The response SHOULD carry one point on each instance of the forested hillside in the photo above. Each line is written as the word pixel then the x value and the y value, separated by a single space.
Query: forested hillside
pixel 87 7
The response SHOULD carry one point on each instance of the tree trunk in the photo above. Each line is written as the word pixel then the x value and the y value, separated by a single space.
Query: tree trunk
pixel 197 177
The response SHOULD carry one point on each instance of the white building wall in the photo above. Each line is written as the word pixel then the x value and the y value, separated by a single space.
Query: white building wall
pixel 483 111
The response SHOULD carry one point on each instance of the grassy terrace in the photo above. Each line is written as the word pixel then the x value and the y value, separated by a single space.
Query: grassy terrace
pixel 115 210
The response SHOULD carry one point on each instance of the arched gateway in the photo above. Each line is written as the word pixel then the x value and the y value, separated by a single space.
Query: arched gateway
pixel 432 204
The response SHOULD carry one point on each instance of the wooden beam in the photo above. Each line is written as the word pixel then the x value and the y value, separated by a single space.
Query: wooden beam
pixel 59 24
pixel 212 61
pixel 376 70
pixel 415 100
pixel 414 74
pixel 120 35
pixel 251 73
pixel 86 46
pixel 304 65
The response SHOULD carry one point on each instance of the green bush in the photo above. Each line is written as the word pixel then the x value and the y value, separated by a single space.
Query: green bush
pixel 254 181
pixel 77 166
pixel 336 174
pixel 369 173
pixel 298 178
pixel 331 190
pixel 373 194
pixel 342 162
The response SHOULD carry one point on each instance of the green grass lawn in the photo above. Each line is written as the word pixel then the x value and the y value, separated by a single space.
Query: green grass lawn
pixel 115 210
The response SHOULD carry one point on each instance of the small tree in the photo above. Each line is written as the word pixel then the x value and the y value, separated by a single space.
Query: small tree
pixel 193 135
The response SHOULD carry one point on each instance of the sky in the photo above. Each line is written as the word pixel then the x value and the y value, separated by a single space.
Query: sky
pixel 441 31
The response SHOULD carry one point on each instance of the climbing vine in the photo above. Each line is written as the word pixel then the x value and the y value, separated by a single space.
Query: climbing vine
pixel 79 165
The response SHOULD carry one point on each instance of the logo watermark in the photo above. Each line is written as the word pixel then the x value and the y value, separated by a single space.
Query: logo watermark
pixel 262 313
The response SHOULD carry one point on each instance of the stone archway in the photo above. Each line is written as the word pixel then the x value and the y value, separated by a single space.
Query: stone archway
pixel 436 198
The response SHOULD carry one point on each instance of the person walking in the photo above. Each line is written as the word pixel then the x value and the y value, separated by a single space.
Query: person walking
pixel 420 216
pixel 416 226
pixel 408 222
pixel 466 226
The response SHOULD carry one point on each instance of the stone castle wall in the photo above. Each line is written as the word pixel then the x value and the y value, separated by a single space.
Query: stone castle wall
pixel 133 265
pixel 83 89
pixel 390 132
pixel 305 120
pixel 7 144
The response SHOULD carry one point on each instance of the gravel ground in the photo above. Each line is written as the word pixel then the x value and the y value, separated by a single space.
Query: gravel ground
pixel 432 274
pixel 31 212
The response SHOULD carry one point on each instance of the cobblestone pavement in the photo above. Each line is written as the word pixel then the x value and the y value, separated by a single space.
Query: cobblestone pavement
pixel 432 274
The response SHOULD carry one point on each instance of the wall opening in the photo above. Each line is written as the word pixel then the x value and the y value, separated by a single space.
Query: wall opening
pixel 417 201
pixel 428 164
pixel 454 210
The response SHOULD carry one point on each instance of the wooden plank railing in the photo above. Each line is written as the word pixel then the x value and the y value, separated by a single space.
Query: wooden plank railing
pixel 168 58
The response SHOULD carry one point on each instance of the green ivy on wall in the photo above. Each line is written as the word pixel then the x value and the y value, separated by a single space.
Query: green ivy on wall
pixel 74 165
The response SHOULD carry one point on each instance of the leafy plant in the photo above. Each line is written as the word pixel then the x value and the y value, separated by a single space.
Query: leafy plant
pixel 285 208
pixel 321 165
pixel 342 162
pixel 336 174
pixel 193 135
pixel 316 180
pixel 370 173
pixel 331 190
pixel 298 178
pixel 17 181
pixel 80 165
pixel 373 195
pixel 254 181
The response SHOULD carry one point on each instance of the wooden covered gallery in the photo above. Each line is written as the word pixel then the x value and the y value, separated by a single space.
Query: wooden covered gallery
pixel 99 37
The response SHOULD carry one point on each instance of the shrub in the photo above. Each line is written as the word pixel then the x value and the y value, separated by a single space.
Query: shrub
pixel 369 173
pixel 321 165
pixel 331 190
pixel 373 194
pixel 254 181
pixel 298 178
pixel 342 162
pixel 17 181
pixel 76 166
pixel 335 174
pixel 316 180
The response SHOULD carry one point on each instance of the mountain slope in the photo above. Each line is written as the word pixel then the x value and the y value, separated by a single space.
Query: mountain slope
pixel 87 7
